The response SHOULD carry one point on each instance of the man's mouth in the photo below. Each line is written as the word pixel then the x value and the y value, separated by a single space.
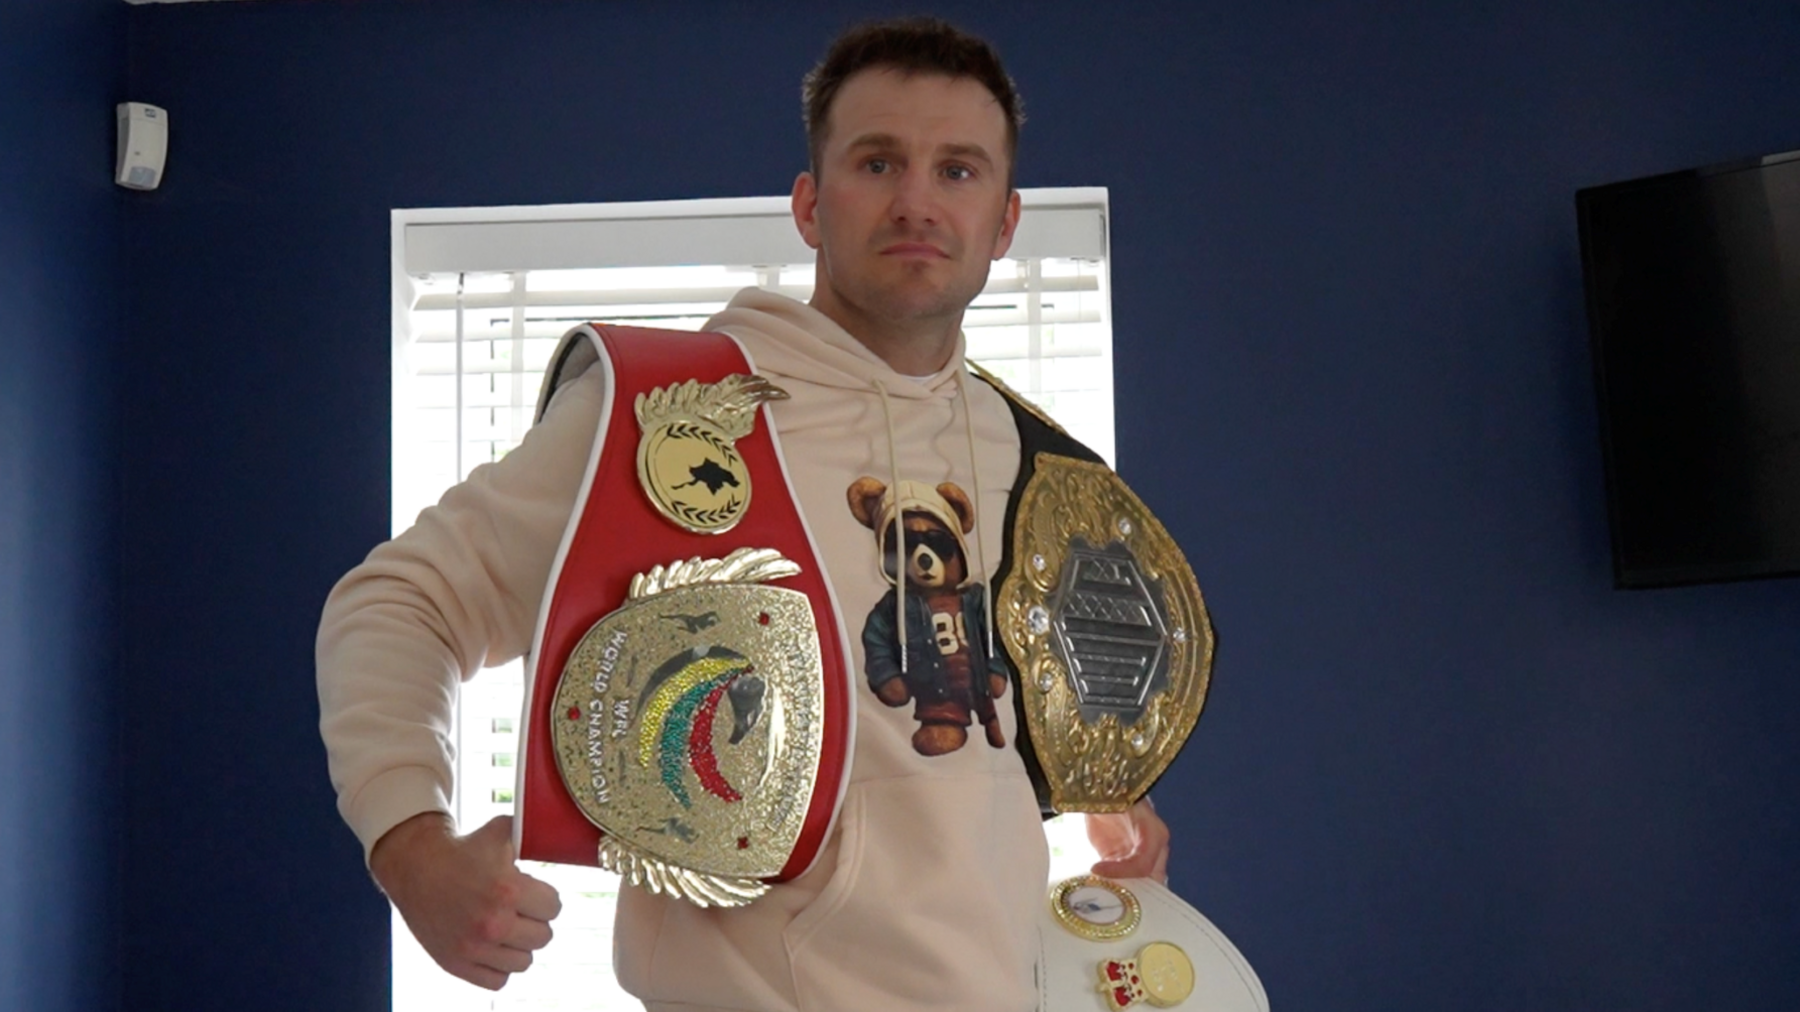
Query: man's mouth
pixel 920 250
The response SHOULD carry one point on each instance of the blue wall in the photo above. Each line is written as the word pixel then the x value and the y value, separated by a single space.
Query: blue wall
pixel 62 67
pixel 1445 764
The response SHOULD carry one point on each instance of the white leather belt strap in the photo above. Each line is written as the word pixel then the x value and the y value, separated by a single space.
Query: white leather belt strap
pixel 1070 965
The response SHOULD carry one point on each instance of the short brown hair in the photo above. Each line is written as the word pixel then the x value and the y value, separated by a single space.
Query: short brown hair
pixel 912 46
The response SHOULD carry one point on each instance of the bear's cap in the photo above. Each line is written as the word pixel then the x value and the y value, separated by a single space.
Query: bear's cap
pixel 920 497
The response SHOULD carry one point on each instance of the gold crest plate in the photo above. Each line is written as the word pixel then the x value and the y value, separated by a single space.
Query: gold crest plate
pixel 687 460
pixel 688 725
pixel 1105 621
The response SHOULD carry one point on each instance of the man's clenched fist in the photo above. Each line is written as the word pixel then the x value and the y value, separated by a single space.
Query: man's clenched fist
pixel 1131 844
pixel 464 898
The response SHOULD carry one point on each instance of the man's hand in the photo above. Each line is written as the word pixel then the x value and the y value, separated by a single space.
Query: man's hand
pixel 465 900
pixel 1132 844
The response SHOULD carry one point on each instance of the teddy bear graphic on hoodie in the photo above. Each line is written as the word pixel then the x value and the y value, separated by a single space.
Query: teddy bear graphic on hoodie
pixel 942 664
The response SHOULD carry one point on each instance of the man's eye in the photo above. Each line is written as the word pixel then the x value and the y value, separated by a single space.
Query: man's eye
pixel 877 165
pixel 959 172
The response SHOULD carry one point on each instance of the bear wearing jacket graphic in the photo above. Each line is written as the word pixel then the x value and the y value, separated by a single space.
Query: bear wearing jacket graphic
pixel 942 663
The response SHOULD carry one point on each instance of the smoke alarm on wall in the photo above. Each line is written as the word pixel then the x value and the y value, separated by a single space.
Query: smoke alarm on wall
pixel 143 144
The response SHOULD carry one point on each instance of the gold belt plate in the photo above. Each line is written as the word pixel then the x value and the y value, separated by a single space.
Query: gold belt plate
pixel 1105 621
pixel 687 726
pixel 687 461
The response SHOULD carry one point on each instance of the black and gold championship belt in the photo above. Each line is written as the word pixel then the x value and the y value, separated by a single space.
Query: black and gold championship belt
pixel 1103 622
pixel 688 713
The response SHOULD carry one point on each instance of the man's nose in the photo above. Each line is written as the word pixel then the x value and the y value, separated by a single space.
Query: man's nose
pixel 914 201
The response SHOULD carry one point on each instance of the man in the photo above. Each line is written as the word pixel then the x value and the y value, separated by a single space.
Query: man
pixel 926 895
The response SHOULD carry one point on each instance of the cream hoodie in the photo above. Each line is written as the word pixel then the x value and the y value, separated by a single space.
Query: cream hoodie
pixel 925 897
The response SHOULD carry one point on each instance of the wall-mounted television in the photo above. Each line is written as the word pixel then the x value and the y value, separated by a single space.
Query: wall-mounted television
pixel 1693 293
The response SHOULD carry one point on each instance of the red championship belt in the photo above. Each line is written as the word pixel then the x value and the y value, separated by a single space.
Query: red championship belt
pixel 688 712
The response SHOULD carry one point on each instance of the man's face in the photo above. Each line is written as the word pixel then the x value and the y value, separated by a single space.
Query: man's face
pixel 911 201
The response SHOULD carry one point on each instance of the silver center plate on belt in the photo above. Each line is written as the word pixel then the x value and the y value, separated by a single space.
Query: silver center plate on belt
pixel 1111 631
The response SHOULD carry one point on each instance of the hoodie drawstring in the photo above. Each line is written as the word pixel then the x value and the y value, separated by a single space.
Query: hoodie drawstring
pixel 987 594
pixel 887 415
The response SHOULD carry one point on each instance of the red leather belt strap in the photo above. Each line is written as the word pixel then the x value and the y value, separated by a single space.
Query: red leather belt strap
pixel 619 533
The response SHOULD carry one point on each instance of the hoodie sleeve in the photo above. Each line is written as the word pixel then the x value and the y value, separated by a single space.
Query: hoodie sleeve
pixel 458 591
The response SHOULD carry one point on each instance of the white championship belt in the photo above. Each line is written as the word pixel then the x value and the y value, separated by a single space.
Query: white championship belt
pixel 1106 945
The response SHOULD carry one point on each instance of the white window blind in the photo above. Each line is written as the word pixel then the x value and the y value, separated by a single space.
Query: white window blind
pixel 481 296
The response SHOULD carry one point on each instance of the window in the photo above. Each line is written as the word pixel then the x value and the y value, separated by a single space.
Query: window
pixel 480 297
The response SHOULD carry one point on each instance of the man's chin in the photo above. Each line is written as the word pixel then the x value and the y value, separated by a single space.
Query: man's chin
pixel 914 309
pixel 918 298
pixel 912 299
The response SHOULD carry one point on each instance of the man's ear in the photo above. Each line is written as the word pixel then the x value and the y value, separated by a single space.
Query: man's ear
pixel 806 208
pixel 1009 224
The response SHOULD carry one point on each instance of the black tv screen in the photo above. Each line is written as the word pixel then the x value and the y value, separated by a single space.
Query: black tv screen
pixel 1693 291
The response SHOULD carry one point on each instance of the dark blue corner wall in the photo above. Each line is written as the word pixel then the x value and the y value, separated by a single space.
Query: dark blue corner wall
pixel 1445 764
pixel 62 67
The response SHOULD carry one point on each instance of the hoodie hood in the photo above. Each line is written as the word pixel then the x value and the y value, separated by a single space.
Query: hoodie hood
pixel 790 338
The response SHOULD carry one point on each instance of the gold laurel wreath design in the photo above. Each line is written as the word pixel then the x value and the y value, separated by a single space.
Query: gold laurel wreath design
pixel 703 518
pixel 693 514
pixel 730 403
pixel 746 565
pixel 700 888
pixel 704 433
